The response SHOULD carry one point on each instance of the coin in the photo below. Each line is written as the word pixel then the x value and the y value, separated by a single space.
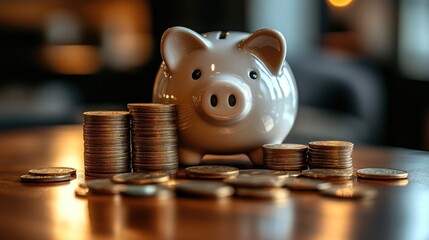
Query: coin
pixel 147 191
pixel 106 114
pixel 30 178
pixel 278 194
pixel 328 173
pixel 265 172
pixel 286 146
pixel 204 189
pixel 53 171
pixel 104 186
pixel 154 136
pixel 330 144
pixel 381 173
pixel 286 156
pixel 141 178
pixel 211 171
pixel 255 181
pixel 306 184
pixel 353 192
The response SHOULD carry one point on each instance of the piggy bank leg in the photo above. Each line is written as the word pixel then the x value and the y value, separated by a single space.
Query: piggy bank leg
pixel 256 157
pixel 189 158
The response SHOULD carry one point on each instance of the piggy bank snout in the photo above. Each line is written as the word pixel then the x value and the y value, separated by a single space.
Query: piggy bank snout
pixel 225 101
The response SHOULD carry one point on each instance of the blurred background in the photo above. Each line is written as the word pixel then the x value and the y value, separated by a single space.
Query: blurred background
pixel 362 66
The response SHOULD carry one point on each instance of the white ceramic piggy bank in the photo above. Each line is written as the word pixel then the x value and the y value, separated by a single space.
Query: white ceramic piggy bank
pixel 234 91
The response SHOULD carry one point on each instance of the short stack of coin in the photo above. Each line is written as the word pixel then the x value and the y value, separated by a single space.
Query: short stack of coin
pixel 289 157
pixel 107 148
pixel 330 154
pixel 154 137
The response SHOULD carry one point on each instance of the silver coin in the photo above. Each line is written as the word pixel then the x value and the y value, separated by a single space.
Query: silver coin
pixel 328 173
pixel 141 178
pixel 381 173
pixel 353 192
pixel 53 171
pixel 147 191
pixel 211 171
pixel 264 172
pixel 306 184
pixel 278 194
pixel 104 186
pixel 30 178
pixel 255 181
pixel 204 189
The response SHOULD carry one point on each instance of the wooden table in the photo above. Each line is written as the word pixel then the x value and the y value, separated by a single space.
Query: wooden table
pixel 32 211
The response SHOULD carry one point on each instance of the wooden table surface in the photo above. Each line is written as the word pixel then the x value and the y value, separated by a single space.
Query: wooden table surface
pixel 33 211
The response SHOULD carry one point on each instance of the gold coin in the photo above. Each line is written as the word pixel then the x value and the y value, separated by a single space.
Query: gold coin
pixel 278 194
pixel 256 181
pixel 328 173
pixel 306 184
pixel 141 178
pixel 382 173
pixel 53 171
pixel 30 178
pixel 204 189
pixel 211 171
pixel 353 192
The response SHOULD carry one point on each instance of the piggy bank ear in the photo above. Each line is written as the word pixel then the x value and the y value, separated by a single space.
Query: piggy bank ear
pixel 177 42
pixel 268 45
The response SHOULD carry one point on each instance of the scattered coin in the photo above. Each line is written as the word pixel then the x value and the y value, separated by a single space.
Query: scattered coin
pixel 211 171
pixel 381 173
pixel 268 172
pixel 255 181
pixel 141 177
pixel 53 171
pixel 328 173
pixel 104 186
pixel 350 192
pixel 306 184
pixel 278 194
pixel 204 189
pixel 30 178
pixel 147 191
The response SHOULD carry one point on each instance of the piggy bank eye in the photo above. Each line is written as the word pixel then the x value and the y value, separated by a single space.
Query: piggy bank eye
pixel 196 74
pixel 253 74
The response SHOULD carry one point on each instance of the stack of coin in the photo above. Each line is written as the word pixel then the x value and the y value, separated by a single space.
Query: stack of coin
pixel 154 137
pixel 106 143
pixel 289 157
pixel 330 154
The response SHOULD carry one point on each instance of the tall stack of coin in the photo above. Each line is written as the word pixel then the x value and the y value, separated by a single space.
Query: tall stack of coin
pixel 330 154
pixel 289 157
pixel 154 137
pixel 106 143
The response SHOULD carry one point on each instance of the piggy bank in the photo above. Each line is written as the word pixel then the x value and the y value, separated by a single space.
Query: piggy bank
pixel 234 91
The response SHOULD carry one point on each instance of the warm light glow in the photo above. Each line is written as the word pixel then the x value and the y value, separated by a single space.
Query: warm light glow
pixel 72 59
pixel 212 67
pixel 340 3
